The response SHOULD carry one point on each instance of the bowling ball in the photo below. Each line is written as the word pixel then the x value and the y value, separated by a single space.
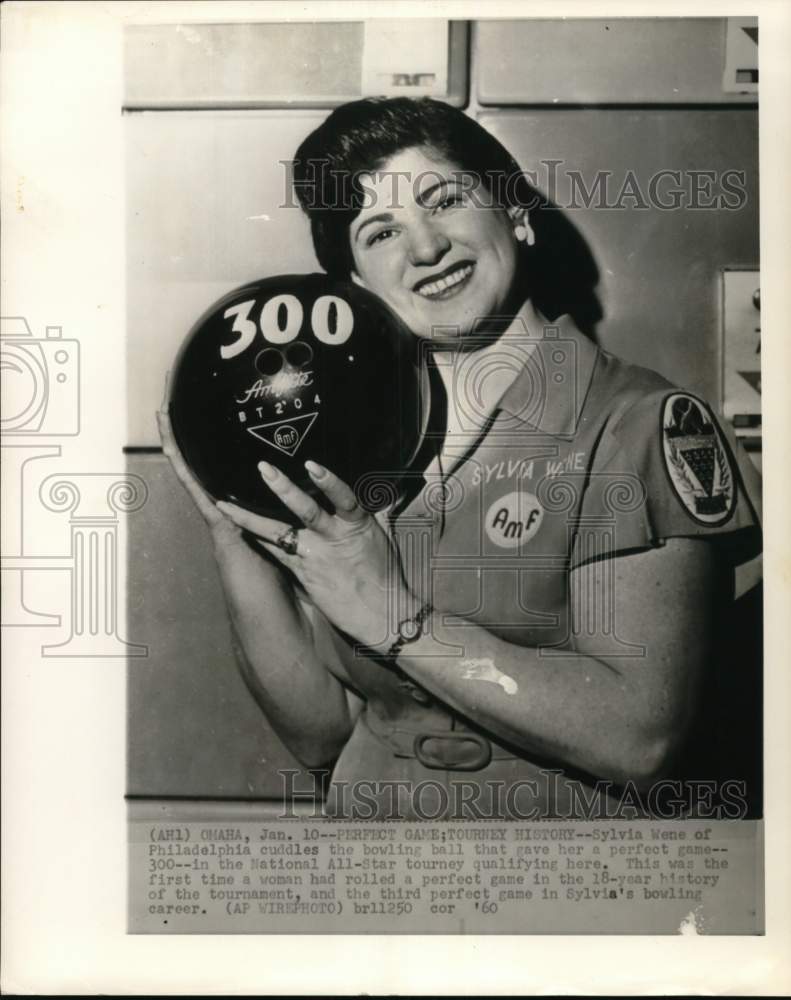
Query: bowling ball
pixel 299 367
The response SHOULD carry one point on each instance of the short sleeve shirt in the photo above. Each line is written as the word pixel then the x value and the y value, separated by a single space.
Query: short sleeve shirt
pixel 586 457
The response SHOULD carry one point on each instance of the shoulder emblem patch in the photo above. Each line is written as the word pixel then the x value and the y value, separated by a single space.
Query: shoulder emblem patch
pixel 697 461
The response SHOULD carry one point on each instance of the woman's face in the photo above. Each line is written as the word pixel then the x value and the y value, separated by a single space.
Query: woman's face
pixel 438 255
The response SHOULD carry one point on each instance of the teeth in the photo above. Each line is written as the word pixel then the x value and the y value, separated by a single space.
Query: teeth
pixel 435 287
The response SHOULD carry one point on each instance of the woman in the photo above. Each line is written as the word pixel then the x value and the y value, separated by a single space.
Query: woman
pixel 580 518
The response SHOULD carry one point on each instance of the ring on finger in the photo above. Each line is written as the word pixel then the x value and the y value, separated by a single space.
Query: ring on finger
pixel 288 541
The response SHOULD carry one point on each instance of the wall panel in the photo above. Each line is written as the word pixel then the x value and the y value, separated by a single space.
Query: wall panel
pixel 205 192
pixel 659 269
pixel 194 729
pixel 598 61
pixel 260 64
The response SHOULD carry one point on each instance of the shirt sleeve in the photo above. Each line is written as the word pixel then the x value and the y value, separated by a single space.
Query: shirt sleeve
pixel 665 467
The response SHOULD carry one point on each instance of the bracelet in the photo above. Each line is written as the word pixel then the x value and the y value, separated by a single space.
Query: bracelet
pixel 409 630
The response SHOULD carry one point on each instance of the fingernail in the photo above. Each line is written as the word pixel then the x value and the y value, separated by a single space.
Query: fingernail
pixel 316 470
pixel 269 472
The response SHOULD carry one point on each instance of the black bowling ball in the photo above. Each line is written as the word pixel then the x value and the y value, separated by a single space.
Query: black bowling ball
pixel 299 367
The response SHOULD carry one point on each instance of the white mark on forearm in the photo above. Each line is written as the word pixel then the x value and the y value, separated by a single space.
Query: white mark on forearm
pixel 485 670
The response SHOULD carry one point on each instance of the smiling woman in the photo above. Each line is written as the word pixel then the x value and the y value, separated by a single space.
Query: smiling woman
pixel 439 259
pixel 531 631
pixel 407 197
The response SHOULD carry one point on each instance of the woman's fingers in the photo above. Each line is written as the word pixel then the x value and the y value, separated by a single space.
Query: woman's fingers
pixel 169 445
pixel 290 562
pixel 166 395
pixel 263 527
pixel 297 501
pixel 337 492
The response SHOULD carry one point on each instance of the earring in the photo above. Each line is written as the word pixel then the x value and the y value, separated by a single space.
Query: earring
pixel 531 236
pixel 524 231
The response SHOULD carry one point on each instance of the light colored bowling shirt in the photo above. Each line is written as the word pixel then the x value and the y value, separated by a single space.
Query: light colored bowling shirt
pixel 586 457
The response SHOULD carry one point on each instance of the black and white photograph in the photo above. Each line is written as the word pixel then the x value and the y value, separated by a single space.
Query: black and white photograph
pixel 423 537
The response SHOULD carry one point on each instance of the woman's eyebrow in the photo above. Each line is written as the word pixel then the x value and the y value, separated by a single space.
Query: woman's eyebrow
pixel 382 217
pixel 423 196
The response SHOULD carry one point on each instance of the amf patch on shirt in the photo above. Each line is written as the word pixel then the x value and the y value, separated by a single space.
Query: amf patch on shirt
pixel 698 463
pixel 514 519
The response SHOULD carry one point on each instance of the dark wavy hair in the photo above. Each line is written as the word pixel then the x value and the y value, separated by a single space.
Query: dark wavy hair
pixel 359 137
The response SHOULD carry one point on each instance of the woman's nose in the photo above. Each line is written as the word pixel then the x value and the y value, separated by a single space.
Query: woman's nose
pixel 427 243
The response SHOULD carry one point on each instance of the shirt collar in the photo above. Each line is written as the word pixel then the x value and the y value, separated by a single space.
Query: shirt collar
pixel 549 392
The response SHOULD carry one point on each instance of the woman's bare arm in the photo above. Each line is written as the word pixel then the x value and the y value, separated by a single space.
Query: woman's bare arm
pixel 617 717
pixel 306 705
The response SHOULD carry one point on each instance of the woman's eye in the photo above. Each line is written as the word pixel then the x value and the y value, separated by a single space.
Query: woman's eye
pixel 450 201
pixel 380 236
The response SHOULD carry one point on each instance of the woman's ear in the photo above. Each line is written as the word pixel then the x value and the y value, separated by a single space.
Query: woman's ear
pixel 357 280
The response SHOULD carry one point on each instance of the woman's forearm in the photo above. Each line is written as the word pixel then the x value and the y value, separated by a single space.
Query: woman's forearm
pixel 619 718
pixel 574 708
pixel 281 665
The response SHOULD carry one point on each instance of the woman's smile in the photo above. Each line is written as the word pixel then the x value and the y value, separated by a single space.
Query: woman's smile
pixel 448 283
pixel 437 256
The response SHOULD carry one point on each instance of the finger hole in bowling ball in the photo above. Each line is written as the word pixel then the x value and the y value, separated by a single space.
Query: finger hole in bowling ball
pixel 269 362
pixel 299 354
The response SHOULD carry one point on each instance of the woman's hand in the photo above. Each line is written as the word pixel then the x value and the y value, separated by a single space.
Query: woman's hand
pixel 345 561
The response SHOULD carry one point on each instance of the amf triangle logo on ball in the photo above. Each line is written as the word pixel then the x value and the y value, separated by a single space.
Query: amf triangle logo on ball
pixel 285 435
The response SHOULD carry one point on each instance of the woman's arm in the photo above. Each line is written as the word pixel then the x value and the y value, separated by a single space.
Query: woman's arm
pixel 618 717
pixel 282 659
pixel 614 717
pixel 306 705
